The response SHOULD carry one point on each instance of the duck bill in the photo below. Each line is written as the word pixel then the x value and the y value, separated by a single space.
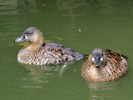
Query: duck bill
pixel 19 39
pixel 97 64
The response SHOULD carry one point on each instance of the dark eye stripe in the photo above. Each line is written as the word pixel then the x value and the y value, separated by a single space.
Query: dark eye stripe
pixel 28 33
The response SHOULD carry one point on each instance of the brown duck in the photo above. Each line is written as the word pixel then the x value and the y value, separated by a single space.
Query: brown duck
pixel 41 53
pixel 104 65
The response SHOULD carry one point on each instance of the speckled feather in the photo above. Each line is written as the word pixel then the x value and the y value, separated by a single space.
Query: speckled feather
pixel 49 54
pixel 114 66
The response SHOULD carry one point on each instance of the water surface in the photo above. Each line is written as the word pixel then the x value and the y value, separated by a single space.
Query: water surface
pixel 79 24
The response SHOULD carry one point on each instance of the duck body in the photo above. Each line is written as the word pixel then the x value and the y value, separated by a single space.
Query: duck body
pixel 40 53
pixel 110 66
pixel 49 54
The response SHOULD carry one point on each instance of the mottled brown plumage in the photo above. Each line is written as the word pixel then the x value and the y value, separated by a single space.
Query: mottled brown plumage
pixel 104 65
pixel 41 53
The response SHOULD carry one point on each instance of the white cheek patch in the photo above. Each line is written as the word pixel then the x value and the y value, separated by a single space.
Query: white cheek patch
pixel 26 37
pixel 101 59
pixel 93 59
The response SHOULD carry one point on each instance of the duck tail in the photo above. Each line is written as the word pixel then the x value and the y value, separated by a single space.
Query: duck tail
pixel 124 56
pixel 79 56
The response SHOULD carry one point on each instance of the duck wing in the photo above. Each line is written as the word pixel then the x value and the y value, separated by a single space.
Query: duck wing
pixel 63 51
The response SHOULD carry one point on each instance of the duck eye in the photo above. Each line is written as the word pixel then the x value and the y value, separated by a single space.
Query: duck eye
pixel 101 59
pixel 93 59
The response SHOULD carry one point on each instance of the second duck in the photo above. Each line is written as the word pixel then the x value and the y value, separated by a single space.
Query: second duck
pixel 104 65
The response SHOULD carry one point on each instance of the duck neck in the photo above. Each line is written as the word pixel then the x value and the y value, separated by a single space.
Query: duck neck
pixel 36 45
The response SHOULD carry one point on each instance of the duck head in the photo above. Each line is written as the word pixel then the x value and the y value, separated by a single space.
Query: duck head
pixel 32 35
pixel 97 57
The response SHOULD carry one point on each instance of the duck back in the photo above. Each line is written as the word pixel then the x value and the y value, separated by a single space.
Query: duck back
pixel 48 54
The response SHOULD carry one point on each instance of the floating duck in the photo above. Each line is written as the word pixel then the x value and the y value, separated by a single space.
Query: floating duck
pixel 104 65
pixel 40 53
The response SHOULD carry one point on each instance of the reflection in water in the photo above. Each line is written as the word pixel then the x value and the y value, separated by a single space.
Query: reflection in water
pixel 9 7
pixel 39 75
pixel 69 7
pixel 87 16
pixel 114 7
pixel 70 4
pixel 97 90
pixel 107 7
pixel 97 96
pixel 14 7
pixel 101 86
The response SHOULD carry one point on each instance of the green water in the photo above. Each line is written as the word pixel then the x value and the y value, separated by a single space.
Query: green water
pixel 79 24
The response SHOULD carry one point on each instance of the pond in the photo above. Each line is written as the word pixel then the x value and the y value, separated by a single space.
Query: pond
pixel 79 24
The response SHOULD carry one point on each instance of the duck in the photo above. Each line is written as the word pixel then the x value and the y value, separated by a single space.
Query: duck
pixel 39 52
pixel 104 66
